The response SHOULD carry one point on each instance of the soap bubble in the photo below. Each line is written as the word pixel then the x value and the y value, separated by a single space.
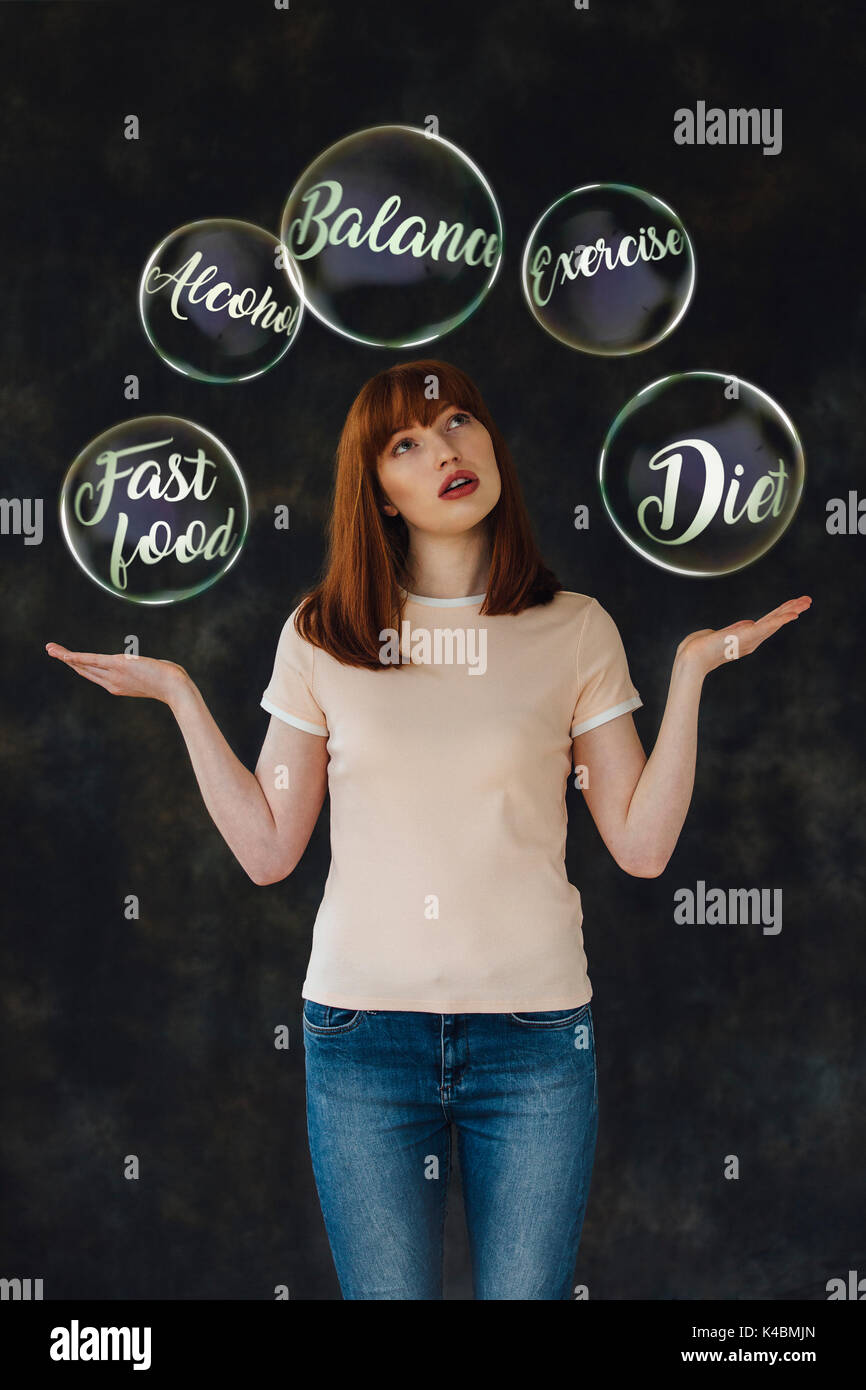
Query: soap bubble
pixel 702 473
pixel 608 269
pixel 393 236
pixel 215 302
pixel 154 509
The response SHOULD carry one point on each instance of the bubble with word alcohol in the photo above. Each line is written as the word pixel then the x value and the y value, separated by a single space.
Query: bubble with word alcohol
pixel 215 302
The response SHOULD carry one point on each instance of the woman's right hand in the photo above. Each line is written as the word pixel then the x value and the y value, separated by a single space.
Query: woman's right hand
pixel 265 825
pixel 143 676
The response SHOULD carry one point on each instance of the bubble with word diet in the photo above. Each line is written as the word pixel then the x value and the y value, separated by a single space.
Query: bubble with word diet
pixel 215 301
pixel 393 236
pixel 154 509
pixel 702 473
pixel 608 269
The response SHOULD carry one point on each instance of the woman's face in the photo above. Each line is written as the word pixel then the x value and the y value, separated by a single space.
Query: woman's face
pixel 417 465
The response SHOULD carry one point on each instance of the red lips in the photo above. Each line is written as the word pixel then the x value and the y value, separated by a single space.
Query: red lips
pixel 471 478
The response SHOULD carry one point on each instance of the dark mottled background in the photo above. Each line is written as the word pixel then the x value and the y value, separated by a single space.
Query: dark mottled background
pixel 155 1037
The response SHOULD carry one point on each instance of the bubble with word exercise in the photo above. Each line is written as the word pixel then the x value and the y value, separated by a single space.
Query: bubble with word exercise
pixel 393 236
pixel 215 302
pixel 154 509
pixel 608 269
pixel 702 473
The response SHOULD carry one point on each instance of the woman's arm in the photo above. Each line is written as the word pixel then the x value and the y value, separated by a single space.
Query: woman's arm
pixel 266 819
pixel 639 804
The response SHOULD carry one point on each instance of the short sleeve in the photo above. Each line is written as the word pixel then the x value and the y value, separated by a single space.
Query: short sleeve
pixel 289 694
pixel 604 686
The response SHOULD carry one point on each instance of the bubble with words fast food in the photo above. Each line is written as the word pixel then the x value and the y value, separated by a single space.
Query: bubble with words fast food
pixel 608 269
pixel 702 473
pixel 154 509
pixel 392 236
pixel 215 301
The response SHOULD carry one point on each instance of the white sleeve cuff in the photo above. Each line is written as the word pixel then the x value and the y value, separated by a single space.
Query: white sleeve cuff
pixel 320 729
pixel 634 703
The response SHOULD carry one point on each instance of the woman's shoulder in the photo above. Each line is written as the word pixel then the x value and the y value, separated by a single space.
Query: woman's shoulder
pixel 573 597
pixel 291 642
pixel 561 618
pixel 572 605
pixel 578 603
pixel 584 615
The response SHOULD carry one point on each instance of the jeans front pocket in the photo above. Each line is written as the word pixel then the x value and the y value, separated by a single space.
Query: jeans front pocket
pixel 327 1020
pixel 551 1018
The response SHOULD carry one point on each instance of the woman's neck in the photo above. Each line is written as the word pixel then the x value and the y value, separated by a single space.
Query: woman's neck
pixel 445 575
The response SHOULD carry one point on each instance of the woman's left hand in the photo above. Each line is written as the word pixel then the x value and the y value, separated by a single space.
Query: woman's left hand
pixel 711 647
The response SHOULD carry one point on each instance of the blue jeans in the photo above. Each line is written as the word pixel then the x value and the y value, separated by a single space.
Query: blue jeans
pixel 383 1087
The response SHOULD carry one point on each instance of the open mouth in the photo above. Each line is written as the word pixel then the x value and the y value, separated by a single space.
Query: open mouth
pixel 459 485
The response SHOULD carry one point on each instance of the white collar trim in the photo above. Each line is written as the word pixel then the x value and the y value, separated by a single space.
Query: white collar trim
pixel 443 602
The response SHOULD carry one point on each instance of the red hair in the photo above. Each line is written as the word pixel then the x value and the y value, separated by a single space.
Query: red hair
pixel 359 594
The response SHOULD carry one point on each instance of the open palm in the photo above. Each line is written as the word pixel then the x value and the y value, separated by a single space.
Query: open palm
pixel 712 647
pixel 122 674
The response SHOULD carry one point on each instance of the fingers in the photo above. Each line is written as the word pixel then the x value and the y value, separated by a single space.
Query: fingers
pixel 76 659
pixel 792 607
pixel 752 634
pixel 93 666
pixel 785 613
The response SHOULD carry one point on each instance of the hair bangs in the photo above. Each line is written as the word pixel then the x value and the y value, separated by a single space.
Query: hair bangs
pixel 401 399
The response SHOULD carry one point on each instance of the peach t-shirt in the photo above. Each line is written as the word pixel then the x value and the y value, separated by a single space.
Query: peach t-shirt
pixel 447 889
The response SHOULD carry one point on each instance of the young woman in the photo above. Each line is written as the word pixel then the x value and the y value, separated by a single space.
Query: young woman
pixel 439 682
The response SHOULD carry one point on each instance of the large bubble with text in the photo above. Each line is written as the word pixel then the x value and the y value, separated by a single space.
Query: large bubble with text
pixel 154 509
pixel 702 473
pixel 608 269
pixel 393 236
pixel 215 302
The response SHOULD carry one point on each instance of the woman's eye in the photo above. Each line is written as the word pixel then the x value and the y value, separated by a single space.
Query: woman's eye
pixel 462 415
